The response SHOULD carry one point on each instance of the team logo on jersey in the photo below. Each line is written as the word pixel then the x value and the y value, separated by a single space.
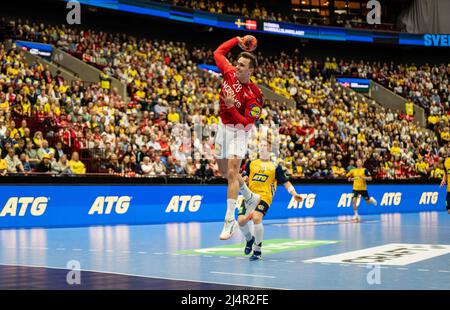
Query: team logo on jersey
pixel 217 148
pixel 255 111
pixel 259 177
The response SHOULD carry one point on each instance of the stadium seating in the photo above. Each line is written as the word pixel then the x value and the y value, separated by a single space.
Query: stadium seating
pixel 320 139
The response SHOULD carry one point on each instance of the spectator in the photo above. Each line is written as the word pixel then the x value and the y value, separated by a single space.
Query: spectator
pixel 43 150
pixel 338 171
pixel 44 165
pixel 159 167
pixel 135 167
pixel 170 166
pixel 3 167
pixel 204 171
pixel 25 163
pixel 20 147
pixel 113 165
pixel 61 166
pixel 13 163
pixel 76 165
pixel 59 152
pixel 147 167
pixel 31 154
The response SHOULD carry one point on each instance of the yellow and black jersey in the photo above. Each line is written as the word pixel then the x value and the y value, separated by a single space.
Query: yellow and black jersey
pixel 359 184
pixel 263 178
pixel 105 81
pixel 447 171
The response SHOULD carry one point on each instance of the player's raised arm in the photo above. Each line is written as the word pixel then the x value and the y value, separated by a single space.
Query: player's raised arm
pixel 368 176
pixel 444 179
pixel 291 190
pixel 220 55
pixel 282 178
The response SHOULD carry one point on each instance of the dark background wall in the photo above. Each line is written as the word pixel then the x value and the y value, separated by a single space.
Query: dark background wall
pixel 54 12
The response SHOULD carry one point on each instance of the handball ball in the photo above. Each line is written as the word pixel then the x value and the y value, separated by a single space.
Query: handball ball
pixel 249 43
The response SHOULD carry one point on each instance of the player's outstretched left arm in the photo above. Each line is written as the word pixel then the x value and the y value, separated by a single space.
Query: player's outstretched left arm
pixel 368 176
pixel 444 179
pixel 291 190
pixel 282 178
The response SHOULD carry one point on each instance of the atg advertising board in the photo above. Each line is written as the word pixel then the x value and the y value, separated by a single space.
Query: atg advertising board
pixel 85 205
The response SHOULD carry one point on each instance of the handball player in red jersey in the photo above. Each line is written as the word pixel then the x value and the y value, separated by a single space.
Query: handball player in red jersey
pixel 240 106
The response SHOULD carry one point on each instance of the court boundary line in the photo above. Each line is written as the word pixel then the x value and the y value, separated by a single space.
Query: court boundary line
pixel 243 274
pixel 144 276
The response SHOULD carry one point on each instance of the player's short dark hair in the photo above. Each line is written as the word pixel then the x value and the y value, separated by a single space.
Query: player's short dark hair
pixel 251 57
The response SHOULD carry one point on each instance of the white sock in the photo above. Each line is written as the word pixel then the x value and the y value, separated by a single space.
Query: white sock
pixel 259 232
pixel 356 213
pixel 231 206
pixel 246 192
pixel 246 231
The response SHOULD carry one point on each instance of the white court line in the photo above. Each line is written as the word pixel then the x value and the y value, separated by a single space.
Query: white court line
pixel 142 252
pixel 77 250
pixel 402 268
pixel 423 269
pixel 148 277
pixel 158 253
pixel 243 274
pixel 290 261
pixel 443 271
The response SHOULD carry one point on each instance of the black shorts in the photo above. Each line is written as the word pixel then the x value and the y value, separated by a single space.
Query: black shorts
pixel 447 201
pixel 261 207
pixel 364 194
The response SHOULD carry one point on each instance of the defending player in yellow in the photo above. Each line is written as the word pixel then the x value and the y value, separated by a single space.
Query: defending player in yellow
pixel 359 176
pixel 446 180
pixel 263 176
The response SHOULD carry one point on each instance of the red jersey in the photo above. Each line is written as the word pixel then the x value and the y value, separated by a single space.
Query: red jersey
pixel 247 97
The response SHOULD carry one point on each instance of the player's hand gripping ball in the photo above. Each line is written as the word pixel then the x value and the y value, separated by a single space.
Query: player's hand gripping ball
pixel 248 43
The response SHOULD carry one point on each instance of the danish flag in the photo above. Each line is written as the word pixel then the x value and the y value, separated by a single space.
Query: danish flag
pixel 250 24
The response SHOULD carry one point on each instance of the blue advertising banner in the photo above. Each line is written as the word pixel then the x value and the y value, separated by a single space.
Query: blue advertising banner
pixel 84 205
pixel 38 49
pixel 357 84
pixel 233 22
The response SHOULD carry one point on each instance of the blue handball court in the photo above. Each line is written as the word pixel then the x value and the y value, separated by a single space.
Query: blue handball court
pixel 393 250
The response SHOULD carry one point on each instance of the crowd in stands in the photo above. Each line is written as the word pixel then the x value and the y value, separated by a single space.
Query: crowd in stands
pixel 72 128
pixel 255 10
pixel 426 86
